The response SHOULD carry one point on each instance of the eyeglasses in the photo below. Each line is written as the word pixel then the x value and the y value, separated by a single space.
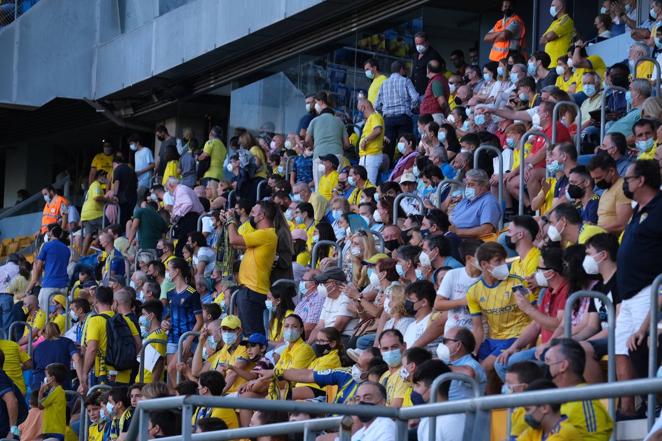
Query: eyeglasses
pixel 627 178
pixel 447 339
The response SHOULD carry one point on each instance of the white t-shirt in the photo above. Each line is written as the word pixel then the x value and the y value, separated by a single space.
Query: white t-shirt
pixel 454 286
pixel 334 308
pixel 415 330
pixel 168 199
pixel 207 224
pixel 144 157
pixel 449 428
pixel 207 255
pixel 381 429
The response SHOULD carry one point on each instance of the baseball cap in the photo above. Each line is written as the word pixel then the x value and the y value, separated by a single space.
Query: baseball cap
pixel 407 177
pixel 332 158
pixel 334 273
pixel 376 258
pixel 257 339
pixel 231 321
pixel 59 298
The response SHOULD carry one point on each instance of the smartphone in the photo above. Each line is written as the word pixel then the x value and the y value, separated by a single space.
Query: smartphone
pixel 521 289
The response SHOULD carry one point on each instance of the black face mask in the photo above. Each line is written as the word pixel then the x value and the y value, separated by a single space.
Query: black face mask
pixel 366 419
pixel 417 398
pixel 509 242
pixel 603 184
pixel 159 252
pixel 321 350
pixel 575 191
pixel 251 220
pixel 425 233
pixel 391 244
pixel 458 101
pixel 626 190
pixel 409 308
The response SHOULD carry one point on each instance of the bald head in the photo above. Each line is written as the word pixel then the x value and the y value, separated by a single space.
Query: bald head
pixel 31 301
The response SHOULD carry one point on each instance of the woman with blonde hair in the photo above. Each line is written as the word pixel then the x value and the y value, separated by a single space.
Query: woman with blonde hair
pixel 362 248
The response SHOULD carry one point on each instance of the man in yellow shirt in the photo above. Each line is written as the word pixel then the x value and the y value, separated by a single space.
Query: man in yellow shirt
pixel 358 178
pixel 150 329
pixel 91 215
pixel 255 269
pixel 392 345
pixel 95 342
pixel 644 132
pixel 558 36
pixel 328 175
pixel 566 360
pixel 371 143
pixel 102 161
pixel 35 317
pixel 371 68
pixel 522 231
pixel 546 421
pixel 210 384
pixel 566 226
pixel 16 360
pixel 214 150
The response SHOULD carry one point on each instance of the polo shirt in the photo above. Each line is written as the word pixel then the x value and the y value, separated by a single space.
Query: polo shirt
pixel 551 303
pixel 55 256
pixel 564 28
pixel 473 213
pixel 611 197
pixel 641 243
pixel 151 227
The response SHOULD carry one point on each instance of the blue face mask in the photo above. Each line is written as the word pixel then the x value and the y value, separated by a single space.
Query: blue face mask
pixel 553 11
pixel 589 90
pixel 466 126
pixel 487 77
pixel 269 305
pixel 645 145
pixel 479 119
pixel 229 338
pixel 628 97
pixel 291 335
pixel 441 136
pixel 143 321
pixel 419 274
pixel 211 342
pixel 510 143
pixel 370 272
pixel 531 68
pixel 392 358
pixel 302 287
pixel 336 214
pixel 400 270
pixel 513 77
pixel 469 193
pixel 298 220
pixel 554 167
pixel 296 197
pixel 501 71
pixel 52 309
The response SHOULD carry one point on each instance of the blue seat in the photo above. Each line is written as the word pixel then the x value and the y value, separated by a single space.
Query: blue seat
pixel 356 222
pixel 584 159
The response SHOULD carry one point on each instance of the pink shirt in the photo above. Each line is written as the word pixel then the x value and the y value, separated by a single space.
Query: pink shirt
pixel 186 201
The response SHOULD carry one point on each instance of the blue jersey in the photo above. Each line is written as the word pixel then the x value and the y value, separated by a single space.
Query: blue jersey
pixel 341 377
pixel 184 306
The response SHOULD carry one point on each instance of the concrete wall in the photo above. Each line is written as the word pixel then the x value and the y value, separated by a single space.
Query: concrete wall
pixel 92 48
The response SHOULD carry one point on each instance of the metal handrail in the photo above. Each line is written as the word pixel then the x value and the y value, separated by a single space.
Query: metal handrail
pixel 652 344
pixel 500 156
pixel 103 218
pixel 199 224
pixel 258 190
pixel 231 194
pixel 320 243
pixel 483 403
pixel 603 106
pixel 611 336
pixel 379 238
pixel 80 398
pixel 443 184
pixel 434 389
pixel 656 90
pixel 401 196
pixel 149 341
pixel 180 358
pixel 522 142
pixel 30 334
pixel 86 421
pixel 578 120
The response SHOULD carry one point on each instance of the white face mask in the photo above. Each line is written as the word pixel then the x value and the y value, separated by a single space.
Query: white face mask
pixel 321 169
pixel 541 280
pixel 318 108
pixel 356 374
pixel 424 258
pixel 356 251
pixel 377 217
pixel 443 353
pixel 321 290
pixel 590 265
pixel 553 233
pixel 374 280
pixel 500 272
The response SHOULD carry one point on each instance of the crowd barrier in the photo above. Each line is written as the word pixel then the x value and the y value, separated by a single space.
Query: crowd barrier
pixel 258 190
pixel 434 389
pixel 491 148
pixel 30 334
pixel 401 196
pixel 78 397
pixel 656 71
pixel 443 185
pixel 86 421
pixel 180 358
pixel 522 168
pixel 228 203
pixel 141 373
pixel 652 343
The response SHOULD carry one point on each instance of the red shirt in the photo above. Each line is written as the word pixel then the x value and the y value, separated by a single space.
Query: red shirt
pixel 562 135
pixel 552 302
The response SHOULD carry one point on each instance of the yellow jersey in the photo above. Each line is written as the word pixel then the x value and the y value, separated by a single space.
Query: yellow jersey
pixel 15 357
pixel 355 196
pixel 225 357
pixel 327 361
pixel 217 152
pixel 498 305
pixel 395 386
pixel 375 146
pixel 229 416
pixel 564 28
pixel 92 209
pixel 327 183
pixel 564 431
pixel 526 267
pixel 96 431
pixel 297 355
pixel 564 84
pixel 375 85
pixel 158 334
pixel 53 419
pixel 258 259
pixel 101 161
pixel 95 329
pixel 590 418
pixel 37 321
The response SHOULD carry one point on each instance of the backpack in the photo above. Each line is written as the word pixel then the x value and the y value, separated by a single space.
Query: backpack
pixel 120 347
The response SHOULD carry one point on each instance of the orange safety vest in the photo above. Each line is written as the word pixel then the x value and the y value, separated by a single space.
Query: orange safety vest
pixel 52 212
pixel 500 49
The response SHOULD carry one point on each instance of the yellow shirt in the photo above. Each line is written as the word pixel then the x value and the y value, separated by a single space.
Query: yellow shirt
pixel 373 90
pixel 564 85
pixel 375 146
pixel 327 361
pixel 227 415
pixel 160 348
pixel 650 154
pixel 395 386
pixel 610 199
pixel 516 154
pixel 451 101
pixel 258 153
pixel 297 355
pixel 599 67
pixel 327 183
pixel 92 209
pixel 587 231
pixel 319 204
pixel 564 28
pixel 645 70
pixel 70 435
pixel 244 228
pixel 37 321
pixel 564 431
pixel 95 329
pixel 53 419
pixel 171 170
pixel 224 356
pixel 15 357
pixel 499 307
pixel 101 161
pixel 60 321
pixel 256 265
pixel 95 432
pixel 216 151
pixel 355 196
pixel 527 266
pixel 590 418
pixel 518 425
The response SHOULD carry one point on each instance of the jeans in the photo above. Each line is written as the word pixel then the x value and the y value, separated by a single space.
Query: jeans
pixel 6 305
pixel 394 127
pixel 525 355
pixel 250 309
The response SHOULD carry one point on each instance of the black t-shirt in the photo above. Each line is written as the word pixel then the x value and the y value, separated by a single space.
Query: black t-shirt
pixel 549 80
pixel 170 142
pixel 419 74
pixel 128 184
pixel 486 161
pixel 610 289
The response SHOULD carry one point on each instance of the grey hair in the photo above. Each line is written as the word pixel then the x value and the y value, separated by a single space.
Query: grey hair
pixel 153 288
pixel 123 297
pixel 172 181
pixel 478 175
pixel 595 75
pixel 140 276
pixel 642 47
pixel 642 86
pixel 521 67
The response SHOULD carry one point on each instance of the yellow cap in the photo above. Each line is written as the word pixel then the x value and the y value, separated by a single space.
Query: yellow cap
pixel 377 257
pixel 231 321
pixel 61 300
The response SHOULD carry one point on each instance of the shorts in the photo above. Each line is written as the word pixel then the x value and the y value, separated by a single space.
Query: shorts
pixel 171 348
pixel 632 314
pixel 493 346
pixel 600 347
pixel 92 227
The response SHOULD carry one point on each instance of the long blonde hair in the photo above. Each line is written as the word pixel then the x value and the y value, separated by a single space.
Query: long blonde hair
pixel 359 271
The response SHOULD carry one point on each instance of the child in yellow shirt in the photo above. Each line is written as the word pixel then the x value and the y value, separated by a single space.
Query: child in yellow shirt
pixel 53 402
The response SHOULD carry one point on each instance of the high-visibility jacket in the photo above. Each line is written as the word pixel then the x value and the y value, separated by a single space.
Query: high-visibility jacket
pixel 52 212
pixel 500 49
